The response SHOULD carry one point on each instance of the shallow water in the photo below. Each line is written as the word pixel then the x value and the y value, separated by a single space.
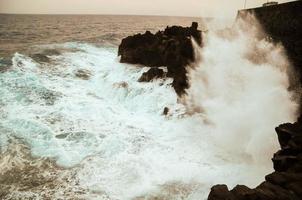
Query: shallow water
pixel 76 124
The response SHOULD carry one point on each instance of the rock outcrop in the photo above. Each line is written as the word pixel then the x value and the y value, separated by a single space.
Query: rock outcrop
pixel 152 74
pixel 283 23
pixel 283 184
pixel 171 48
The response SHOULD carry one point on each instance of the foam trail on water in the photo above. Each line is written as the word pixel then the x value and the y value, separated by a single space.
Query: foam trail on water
pixel 87 113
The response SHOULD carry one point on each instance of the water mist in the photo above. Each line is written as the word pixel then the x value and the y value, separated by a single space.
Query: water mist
pixel 240 84
pixel 104 136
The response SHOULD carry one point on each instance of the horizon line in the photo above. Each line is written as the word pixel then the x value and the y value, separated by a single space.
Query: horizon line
pixel 97 14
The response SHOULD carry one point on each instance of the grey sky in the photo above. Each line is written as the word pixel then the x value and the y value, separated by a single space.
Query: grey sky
pixel 205 8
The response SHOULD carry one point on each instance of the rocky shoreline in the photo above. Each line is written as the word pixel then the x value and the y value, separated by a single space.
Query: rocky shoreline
pixel 171 48
pixel 283 184
pixel 283 24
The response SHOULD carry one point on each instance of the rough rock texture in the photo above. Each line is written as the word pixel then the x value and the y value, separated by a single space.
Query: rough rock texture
pixel 283 23
pixel 152 74
pixel 171 48
pixel 283 184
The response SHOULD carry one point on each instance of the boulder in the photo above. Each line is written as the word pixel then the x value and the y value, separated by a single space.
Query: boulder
pixel 220 192
pixel 172 48
pixel 83 74
pixel 283 184
pixel 152 74
pixel 282 23
pixel 166 111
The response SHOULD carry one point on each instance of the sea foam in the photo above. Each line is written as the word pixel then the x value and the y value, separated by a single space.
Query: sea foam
pixel 109 131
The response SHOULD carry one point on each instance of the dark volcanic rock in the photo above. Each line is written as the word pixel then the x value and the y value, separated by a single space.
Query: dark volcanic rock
pixel 220 192
pixel 283 23
pixel 283 184
pixel 166 111
pixel 152 74
pixel 171 48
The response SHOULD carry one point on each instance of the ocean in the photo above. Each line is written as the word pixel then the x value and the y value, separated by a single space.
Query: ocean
pixel 76 124
pixel 23 32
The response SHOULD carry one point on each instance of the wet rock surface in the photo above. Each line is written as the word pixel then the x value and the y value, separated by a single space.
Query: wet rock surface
pixel 283 184
pixel 171 48
pixel 151 74
pixel 83 74
pixel 166 111
pixel 283 23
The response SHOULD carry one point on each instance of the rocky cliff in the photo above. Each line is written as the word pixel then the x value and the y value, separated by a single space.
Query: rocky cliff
pixel 171 48
pixel 283 23
pixel 283 184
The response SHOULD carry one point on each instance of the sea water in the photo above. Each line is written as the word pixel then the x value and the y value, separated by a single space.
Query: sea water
pixel 76 124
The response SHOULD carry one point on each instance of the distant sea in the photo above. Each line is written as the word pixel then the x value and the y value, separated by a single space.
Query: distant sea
pixel 21 32
pixel 76 124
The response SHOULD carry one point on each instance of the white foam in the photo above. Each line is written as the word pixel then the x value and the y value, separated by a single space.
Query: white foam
pixel 113 128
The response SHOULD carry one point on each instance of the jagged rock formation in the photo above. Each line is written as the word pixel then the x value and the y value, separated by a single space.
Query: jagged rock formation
pixel 171 48
pixel 283 23
pixel 283 184
pixel 152 74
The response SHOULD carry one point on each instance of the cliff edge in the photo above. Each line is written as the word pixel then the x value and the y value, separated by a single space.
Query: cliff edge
pixel 283 23
pixel 171 48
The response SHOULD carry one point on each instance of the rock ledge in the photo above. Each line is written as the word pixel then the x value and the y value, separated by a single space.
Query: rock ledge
pixel 171 48
pixel 283 184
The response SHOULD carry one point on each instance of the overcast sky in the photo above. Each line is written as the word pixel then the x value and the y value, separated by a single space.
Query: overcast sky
pixel 204 8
